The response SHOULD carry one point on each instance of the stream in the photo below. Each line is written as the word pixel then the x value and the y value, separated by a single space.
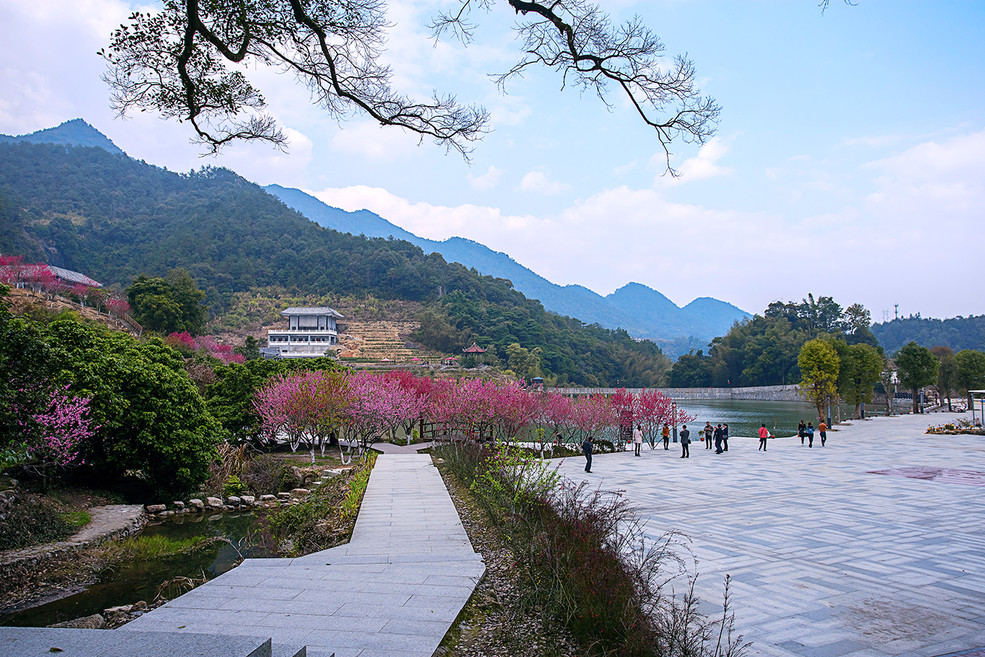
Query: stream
pixel 130 583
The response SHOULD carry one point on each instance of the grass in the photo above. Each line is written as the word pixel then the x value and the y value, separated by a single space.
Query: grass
pixel 146 548
pixel 586 562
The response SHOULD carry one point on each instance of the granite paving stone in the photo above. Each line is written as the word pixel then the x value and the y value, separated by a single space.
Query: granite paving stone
pixel 394 589
pixel 826 556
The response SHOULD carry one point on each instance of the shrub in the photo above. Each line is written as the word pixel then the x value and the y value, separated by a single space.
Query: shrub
pixel 233 486
pixel 586 561
pixel 33 521
pixel 266 474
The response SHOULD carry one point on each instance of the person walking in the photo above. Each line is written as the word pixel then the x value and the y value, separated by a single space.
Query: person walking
pixel 665 434
pixel 764 433
pixel 801 430
pixel 587 448
pixel 822 429
pixel 709 431
pixel 810 434
pixel 725 437
pixel 685 441
pixel 718 439
pixel 638 439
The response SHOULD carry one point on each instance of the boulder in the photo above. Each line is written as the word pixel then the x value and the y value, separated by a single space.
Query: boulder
pixel 155 508
pixel 248 500
pixel 283 496
pixel 213 502
pixel 196 505
pixel 94 622
pixel 233 500
pixel 179 505
pixel 300 492
pixel 268 498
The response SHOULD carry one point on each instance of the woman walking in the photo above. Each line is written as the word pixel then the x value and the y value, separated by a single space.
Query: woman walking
pixel 810 434
pixel 801 430
pixel 638 439
pixel 764 433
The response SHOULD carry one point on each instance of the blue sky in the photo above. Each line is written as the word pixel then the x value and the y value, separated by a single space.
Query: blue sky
pixel 849 161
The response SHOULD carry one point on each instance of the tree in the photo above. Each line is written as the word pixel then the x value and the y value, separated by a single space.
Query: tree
pixel 56 432
pixel 861 367
pixel 168 305
pixel 947 369
pixel 971 371
pixel 916 368
pixel 691 370
pixel 818 362
pixel 153 424
pixel 177 63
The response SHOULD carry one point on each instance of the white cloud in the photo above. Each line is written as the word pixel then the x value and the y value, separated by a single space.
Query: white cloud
pixel 702 166
pixel 371 140
pixel 538 181
pixel 488 180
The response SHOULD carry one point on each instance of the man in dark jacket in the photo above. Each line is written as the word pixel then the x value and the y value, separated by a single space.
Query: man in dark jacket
pixel 718 439
pixel 587 448
pixel 685 441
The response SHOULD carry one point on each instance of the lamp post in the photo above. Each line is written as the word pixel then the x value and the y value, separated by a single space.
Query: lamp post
pixel 673 418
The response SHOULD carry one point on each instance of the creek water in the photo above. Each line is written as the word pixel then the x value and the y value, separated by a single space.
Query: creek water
pixel 129 583
pixel 744 417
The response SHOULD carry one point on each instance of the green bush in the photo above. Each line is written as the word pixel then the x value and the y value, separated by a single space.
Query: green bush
pixel 233 486
pixel 153 424
pixel 34 521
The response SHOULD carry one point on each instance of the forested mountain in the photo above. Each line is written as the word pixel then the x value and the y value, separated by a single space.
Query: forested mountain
pixel 638 309
pixel 113 218
pixel 71 133
pixel 957 333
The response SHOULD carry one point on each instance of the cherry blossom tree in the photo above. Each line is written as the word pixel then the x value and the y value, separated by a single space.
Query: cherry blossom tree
pixel 55 433
pixel 653 409
pixel 592 416
pixel 514 409
pixel 307 408
pixel 39 277
pixel 11 269
pixel 552 416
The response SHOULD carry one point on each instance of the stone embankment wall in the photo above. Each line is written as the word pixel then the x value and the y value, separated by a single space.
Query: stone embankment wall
pixel 755 393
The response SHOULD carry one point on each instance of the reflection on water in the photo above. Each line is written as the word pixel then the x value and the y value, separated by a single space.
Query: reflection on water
pixel 744 417
pixel 129 583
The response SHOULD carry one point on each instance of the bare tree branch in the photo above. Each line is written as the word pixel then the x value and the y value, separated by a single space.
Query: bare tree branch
pixel 178 63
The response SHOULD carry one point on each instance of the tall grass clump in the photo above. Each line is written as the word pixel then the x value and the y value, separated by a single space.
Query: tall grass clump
pixel 322 520
pixel 585 560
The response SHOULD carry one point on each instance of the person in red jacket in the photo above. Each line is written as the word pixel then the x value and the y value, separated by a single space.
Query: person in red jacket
pixel 764 433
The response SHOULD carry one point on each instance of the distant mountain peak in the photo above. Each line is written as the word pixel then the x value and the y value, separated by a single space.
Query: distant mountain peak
pixel 75 132
pixel 635 307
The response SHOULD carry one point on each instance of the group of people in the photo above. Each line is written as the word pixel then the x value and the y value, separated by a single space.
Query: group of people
pixel 807 431
pixel 717 435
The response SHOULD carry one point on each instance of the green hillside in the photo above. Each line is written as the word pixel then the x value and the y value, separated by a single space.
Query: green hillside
pixel 114 218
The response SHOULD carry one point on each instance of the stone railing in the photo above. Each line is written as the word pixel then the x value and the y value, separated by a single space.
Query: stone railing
pixel 756 393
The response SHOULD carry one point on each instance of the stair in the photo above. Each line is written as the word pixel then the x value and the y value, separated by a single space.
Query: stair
pixel 69 642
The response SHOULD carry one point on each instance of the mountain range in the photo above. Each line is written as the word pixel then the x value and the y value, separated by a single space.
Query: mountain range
pixel 639 310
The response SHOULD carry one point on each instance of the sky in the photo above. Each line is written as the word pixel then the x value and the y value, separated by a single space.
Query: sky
pixel 849 160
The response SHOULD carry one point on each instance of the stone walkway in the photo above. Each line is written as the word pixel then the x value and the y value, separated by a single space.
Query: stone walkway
pixel 106 521
pixel 394 589
pixel 827 559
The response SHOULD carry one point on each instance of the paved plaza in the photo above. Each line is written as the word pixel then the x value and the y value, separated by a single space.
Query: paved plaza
pixel 826 558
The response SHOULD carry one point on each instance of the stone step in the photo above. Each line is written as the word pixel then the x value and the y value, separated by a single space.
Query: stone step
pixel 70 642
